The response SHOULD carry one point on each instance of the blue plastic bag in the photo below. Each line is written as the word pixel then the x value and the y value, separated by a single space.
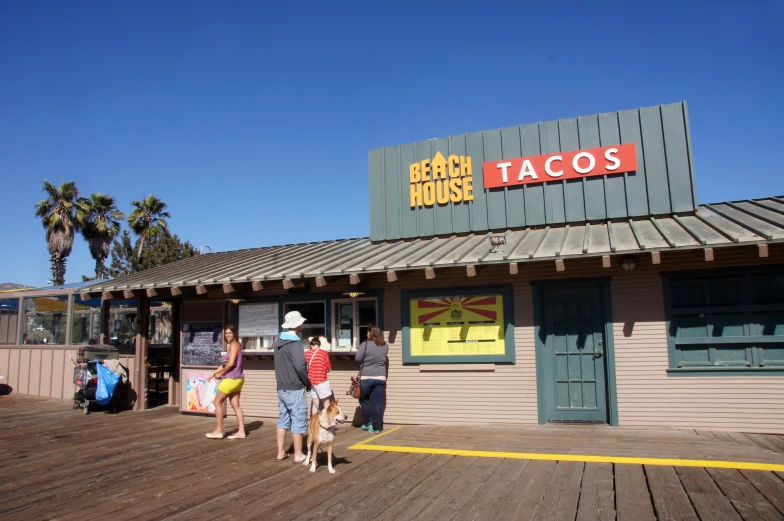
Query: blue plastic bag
pixel 107 381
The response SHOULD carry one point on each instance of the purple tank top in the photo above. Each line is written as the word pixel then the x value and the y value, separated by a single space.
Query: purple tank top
pixel 236 371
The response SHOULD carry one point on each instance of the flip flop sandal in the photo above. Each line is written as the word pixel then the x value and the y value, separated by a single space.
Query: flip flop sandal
pixel 235 437
pixel 281 459
pixel 213 436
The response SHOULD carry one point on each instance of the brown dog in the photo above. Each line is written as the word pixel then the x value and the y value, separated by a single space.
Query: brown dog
pixel 321 431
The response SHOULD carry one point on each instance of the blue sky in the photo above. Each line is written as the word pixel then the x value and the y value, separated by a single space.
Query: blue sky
pixel 254 123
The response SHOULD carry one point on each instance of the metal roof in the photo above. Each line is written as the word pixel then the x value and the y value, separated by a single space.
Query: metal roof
pixel 757 221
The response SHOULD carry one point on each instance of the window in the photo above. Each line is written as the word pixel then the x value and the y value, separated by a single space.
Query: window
pixel 316 315
pixel 9 320
pixel 259 325
pixel 45 320
pixel 86 321
pixel 351 319
pixel 122 325
pixel 725 321
pixel 160 327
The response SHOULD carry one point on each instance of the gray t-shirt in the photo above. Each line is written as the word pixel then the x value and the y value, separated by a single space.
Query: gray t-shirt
pixel 374 358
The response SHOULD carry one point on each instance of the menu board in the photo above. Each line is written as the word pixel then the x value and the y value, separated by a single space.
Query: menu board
pixel 202 343
pixel 457 326
pixel 259 320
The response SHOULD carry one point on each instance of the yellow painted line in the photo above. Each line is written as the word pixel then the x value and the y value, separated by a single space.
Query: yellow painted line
pixel 744 465
pixel 377 436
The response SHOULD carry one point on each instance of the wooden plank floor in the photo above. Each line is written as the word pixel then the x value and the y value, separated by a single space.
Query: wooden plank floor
pixel 60 464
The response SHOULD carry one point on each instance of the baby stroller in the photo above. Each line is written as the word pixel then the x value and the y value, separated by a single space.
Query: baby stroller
pixel 97 384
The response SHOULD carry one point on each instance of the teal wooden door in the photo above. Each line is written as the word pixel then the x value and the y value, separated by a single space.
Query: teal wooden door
pixel 574 354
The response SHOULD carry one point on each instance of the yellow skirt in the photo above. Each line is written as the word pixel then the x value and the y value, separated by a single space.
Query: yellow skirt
pixel 231 385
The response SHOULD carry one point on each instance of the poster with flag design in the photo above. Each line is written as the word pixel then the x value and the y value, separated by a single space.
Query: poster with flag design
pixel 457 325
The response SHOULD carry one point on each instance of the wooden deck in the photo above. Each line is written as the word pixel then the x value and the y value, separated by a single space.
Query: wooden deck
pixel 60 464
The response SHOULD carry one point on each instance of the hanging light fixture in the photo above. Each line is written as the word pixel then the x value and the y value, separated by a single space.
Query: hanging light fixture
pixel 353 294
pixel 497 240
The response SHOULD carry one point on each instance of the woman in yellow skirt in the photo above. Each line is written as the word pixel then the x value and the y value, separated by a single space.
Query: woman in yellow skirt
pixel 232 378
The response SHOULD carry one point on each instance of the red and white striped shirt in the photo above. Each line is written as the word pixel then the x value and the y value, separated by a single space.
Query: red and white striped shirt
pixel 318 365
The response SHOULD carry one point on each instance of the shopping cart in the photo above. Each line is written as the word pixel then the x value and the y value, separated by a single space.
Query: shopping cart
pixel 85 380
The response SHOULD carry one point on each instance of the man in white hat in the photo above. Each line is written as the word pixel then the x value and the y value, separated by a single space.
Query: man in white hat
pixel 291 373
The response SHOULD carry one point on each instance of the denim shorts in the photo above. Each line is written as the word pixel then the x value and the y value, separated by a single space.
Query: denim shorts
pixel 293 411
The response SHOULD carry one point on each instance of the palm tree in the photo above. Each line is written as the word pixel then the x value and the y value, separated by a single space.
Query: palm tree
pixel 147 220
pixel 100 221
pixel 58 215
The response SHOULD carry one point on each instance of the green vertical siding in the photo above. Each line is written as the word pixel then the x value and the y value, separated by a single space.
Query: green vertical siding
pixel 534 194
pixel 376 185
pixel 554 191
pixel 461 213
pixel 663 182
pixel 655 161
pixel 675 147
pixel 427 221
pixel 410 216
pixel 614 185
pixel 496 199
pixel 574 198
pixel 475 144
pixel 515 196
pixel 443 212
pixel 393 220
pixel 636 191
pixel 593 187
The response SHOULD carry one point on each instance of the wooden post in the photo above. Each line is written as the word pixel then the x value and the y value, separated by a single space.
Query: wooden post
pixel 104 321
pixel 174 376
pixel 142 344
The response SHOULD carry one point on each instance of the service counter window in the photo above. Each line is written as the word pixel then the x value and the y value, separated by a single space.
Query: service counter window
pixel 86 321
pixel 259 325
pixel 462 325
pixel 316 315
pixel 45 320
pixel 122 325
pixel 350 321
pixel 9 320
pixel 725 321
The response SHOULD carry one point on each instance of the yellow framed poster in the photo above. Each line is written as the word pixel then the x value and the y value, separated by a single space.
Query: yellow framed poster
pixel 468 326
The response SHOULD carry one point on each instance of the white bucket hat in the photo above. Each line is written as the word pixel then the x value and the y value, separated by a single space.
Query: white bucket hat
pixel 293 319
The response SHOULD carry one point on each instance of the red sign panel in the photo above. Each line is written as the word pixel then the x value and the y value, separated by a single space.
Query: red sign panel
pixel 563 165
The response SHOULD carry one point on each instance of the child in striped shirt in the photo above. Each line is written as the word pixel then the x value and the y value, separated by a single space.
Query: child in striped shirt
pixel 318 367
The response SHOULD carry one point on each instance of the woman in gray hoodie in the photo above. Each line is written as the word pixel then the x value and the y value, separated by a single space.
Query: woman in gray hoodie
pixel 373 378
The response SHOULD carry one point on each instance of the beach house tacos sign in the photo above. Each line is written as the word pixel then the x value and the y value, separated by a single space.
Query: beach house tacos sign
pixel 450 179
pixel 563 165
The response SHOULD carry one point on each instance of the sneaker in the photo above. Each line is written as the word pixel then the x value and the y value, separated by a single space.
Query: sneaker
pixel 366 427
pixel 372 430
